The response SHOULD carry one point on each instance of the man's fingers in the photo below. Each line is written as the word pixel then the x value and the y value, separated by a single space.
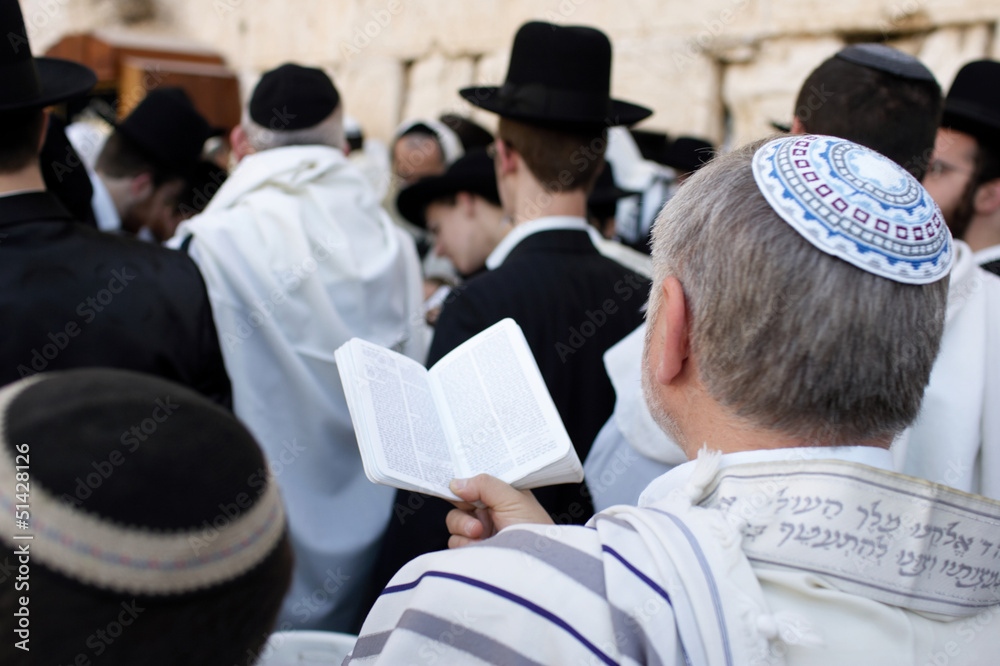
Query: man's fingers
pixel 455 541
pixel 486 489
pixel 462 524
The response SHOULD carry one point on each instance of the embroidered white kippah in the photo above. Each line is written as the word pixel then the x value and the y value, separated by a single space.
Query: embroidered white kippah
pixel 855 204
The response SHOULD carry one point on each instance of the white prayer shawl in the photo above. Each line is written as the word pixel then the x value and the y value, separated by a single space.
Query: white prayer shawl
pixel 673 582
pixel 956 438
pixel 298 258
pixel 987 255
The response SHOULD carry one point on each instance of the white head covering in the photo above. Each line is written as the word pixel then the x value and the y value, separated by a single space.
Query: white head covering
pixel 451 145
pixel 855 204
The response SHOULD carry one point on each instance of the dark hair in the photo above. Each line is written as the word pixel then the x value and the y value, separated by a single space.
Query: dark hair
pixel 122 158
pixel 20 138
pixel 895 116
pixel 986 167
pixel 561 161
pixel 225 624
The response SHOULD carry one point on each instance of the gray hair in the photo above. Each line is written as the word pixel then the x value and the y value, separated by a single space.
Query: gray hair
pixel 787 337
pixel 328 132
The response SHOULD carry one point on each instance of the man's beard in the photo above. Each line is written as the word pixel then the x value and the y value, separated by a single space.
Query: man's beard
pixel 959 219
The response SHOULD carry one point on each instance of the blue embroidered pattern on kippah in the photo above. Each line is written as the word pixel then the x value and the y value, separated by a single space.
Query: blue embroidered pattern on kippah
pixel 856 204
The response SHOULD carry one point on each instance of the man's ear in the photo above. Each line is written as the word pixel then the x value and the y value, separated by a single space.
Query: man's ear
pixel 141 187
pixel 672 332
pixel 466 203
pixel 46 115
pixel 240 143
pixel 797 126
pixel 987 198
pixel 506 158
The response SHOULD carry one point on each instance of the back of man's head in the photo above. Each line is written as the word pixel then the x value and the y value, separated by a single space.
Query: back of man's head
pixel 561 161
pixel 164 135
pixel 294 105
pixel 154 520
pixel 786 336
pixel 878 97
pixel 20 139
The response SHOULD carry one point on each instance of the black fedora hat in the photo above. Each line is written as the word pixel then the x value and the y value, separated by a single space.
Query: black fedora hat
pixel 34 83
pixel 973 103
pixel 559 76
pixel 652 145
pixel 473 172
pixel 688 153
pixel 168 129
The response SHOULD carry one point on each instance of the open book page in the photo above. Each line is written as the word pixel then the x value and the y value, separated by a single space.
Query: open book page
pixel 497 407
pixel 405 435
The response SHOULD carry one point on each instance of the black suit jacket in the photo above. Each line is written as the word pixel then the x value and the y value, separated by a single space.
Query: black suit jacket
pixel 572 303
pixel 74 297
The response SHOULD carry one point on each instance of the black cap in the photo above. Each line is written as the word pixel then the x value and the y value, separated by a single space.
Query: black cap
pixel 886 59
pixel 293 97
pixel 973 103
pixel 148 461
pixel 34 83
pixel 473 172
pixel 166 126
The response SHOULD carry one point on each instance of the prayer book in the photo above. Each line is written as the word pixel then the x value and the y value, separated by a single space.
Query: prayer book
pixel 483 408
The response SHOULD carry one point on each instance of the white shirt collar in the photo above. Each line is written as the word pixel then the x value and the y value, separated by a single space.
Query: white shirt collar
pixel 525 229
pixel 678 476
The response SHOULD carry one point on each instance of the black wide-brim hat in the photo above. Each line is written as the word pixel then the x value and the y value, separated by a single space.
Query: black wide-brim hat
pixel 473 172
pixel 560 77
pixel 688 153
pixel 168 128
pixel 973 103
pixel 34 83
pixel 652 145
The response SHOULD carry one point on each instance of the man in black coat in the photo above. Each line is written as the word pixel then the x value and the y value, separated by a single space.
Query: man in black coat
pixel 72 296
pixel 571 302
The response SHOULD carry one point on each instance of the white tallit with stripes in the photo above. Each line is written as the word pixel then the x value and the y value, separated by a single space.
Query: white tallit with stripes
pixel 716 567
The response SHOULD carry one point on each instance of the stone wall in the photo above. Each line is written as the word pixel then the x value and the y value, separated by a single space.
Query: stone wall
pixel 717 68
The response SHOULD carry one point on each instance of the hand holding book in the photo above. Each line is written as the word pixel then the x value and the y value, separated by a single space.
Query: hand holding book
pixel 483 408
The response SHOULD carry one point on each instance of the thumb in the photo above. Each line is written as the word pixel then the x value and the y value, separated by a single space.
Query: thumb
pixel 487 490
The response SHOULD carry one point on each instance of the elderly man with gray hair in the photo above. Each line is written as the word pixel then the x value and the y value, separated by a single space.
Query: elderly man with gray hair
pixel 786 539
pixel 299 258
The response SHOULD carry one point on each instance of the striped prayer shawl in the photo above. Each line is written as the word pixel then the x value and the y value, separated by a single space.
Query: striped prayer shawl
pixel 607 593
